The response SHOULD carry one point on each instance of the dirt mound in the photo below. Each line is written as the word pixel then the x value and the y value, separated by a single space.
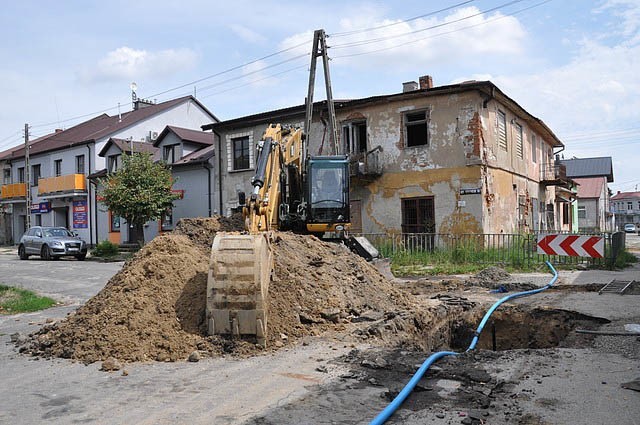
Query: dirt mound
pixel 154 308
pixel 491 275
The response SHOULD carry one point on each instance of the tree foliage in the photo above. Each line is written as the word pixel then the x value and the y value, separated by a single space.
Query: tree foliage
pixel 138 192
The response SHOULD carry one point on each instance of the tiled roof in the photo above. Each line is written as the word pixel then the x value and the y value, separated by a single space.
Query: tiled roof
pixel 128 146
pixel 590 187
pixel 98 127
pixel 196 157
pixel 193 136
pixel 625 195
pixel 589 167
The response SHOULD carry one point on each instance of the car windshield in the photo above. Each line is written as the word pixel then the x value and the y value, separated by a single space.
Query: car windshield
pixel 52 233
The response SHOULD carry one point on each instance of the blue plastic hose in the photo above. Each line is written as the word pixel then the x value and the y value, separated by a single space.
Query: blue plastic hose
pixel 400 398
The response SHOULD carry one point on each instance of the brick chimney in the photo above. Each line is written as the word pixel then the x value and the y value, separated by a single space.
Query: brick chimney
pixel 426 82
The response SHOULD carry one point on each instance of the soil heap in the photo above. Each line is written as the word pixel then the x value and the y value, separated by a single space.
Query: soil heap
pixel 154 307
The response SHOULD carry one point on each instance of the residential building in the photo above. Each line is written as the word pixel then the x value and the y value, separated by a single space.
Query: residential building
pixel 626 207
pixel 60 163
pixel 461 158
pixel 594 204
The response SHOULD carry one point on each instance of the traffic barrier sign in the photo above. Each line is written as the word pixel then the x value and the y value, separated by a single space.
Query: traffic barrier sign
pixel 571 245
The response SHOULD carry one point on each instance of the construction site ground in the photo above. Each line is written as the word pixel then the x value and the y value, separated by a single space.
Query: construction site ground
pixel 341 363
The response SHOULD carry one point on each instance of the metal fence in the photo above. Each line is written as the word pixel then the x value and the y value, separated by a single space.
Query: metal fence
pixel 498 249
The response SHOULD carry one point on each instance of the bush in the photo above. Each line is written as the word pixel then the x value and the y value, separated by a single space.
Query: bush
pixel 105 249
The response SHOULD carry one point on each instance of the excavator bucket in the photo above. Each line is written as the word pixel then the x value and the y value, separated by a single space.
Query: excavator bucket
pixel 238 285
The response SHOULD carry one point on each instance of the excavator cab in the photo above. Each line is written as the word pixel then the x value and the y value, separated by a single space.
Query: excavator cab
pixel 327 194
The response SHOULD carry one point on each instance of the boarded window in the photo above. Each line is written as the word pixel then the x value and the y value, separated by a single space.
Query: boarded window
pixel 416 130
pixel 240 147
pixel 502 130
pixel 418 215
pixel 519 150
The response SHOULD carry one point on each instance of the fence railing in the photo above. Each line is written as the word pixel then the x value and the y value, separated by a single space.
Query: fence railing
pixel 518 250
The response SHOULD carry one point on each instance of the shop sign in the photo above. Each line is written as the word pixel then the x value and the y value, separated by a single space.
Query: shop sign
pixel 80 215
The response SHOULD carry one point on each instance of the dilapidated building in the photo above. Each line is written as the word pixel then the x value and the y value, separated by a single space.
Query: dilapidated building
pixel 462 158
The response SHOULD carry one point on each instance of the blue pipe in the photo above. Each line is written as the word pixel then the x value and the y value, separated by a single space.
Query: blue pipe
pixel 400 398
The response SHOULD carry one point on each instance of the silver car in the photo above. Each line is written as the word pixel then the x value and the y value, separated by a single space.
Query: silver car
pixel 51 243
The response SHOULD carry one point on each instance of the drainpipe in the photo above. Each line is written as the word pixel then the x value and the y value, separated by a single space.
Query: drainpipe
pixel 89 202
pixel 220 211
pixel 208 167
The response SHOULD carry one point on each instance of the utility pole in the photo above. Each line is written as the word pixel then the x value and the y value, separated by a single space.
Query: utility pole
pixel 320 49
pixel 28 174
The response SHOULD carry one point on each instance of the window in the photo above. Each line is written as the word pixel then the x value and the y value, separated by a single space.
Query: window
pixel 115 223
pixel 6 176
pixel 166 222
pixel 240 153
pixel 57 167
pixel 21 175
pixel 565 213
pixel 113 163
pixel 418 215
pixel 502 129
pixel 416 130
pixel 169 154
pixel 582 212
pixel 534 148
pixel 519 150
pixel 35 174
pixel 80 164
pixel 629 206
pixel 354 137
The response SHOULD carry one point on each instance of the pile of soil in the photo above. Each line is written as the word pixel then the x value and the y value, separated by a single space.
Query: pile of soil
pixel 154 307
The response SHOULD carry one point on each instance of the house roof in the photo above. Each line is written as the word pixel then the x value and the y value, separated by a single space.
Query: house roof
pixel 625 195
pixel 589 167
pixel 188 135
pixel 98 127
pixel 487 88
pixel 128 146
pixel 589 187
pixel 197 157
pixel 9 153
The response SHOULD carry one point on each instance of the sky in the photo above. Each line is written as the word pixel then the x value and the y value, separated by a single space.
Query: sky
pixel 575 64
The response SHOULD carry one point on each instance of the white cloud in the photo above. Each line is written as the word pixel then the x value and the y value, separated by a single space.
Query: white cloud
pixel 247 34
pixel 125 63
pixel 398 43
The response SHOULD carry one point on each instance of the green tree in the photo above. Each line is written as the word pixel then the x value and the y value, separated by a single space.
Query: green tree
pixel 138 192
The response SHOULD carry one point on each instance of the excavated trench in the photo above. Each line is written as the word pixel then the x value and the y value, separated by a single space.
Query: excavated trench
pixel 513 327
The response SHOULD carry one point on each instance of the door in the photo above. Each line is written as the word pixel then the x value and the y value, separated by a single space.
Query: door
pixel 61 217
pixel 356 216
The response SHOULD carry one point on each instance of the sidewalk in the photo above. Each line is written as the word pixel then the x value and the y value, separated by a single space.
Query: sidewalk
pixel 8 249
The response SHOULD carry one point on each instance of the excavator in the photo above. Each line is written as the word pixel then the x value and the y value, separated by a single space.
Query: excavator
pixel 291 191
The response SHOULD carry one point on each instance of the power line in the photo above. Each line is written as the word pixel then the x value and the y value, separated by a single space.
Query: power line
pixel 442 33
pixel 390 37
pixel 346 33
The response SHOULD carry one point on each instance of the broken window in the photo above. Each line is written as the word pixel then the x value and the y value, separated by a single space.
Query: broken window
pixel 519 150
pixel 416 130
pixel 502 129
pixel 354 137
pixel 418 215
pixel 240 147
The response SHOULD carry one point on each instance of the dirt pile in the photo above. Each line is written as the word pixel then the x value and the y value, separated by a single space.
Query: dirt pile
pixel 154 308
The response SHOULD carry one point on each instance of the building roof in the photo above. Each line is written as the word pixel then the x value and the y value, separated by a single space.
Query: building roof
pixel 96 128
pixel 589 167
pixel 487 88
pixel 197 157
pixel 128 146
pixel 187 135
pixel 589 187
pixel 625 195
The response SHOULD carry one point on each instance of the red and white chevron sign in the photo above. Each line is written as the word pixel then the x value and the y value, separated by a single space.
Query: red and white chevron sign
pixel 571 245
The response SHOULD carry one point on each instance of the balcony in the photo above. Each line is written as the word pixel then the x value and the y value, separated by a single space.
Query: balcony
pixel 553 175
pixel 366 166
pixel 61 186
pixel 13 191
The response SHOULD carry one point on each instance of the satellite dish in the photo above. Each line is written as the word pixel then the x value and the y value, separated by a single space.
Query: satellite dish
pixel 133 86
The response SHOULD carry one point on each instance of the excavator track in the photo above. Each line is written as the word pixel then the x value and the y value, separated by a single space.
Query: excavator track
pixel 238 285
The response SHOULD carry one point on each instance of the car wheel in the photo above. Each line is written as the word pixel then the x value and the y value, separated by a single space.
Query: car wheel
pixel 22 253
pixel 45 253
pixel 81 257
